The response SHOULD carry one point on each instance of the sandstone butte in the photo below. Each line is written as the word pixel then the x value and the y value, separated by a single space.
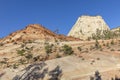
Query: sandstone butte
pixel 85 26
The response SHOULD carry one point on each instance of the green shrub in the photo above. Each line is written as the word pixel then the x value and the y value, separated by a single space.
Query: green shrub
pixel 21 52
pixel 79 48
pixel 67 50
pixel 48 48
pixel 112 42
pixel 29 56
pixel 97 46
pixel 3 62
pixel 15 66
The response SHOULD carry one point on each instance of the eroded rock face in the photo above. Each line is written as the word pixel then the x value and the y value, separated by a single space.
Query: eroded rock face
pixel 85 26
pixel 34 32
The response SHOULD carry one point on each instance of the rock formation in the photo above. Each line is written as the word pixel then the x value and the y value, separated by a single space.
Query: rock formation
pixel 34 32
pixel 117 29
pixel 87 25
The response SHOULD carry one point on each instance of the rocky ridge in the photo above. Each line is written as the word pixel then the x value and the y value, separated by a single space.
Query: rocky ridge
pixel 34 32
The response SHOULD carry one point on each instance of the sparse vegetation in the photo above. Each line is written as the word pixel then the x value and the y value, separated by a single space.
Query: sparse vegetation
pixel 29 56
pixel 15 66
pixel 105 34
pixel 112 42
pixel 118 49
pixel 1 44
pixel 98 58
pixel 22 61
pixel 92 47
pixel 21 52
pixel 58 56
pixel 79 48
pixel 112 50
pixel 30 41
pixel 97 45
pixel 101 49
pixel 83 59
pixel 104 44
pixel 107 44
pixel 48 48
pixel 67 50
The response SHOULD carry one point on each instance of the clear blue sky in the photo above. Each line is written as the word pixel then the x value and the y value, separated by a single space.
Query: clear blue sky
pixel 54 14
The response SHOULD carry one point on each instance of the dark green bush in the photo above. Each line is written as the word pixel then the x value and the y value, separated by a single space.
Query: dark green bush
pixel 79 48
pixel 21 52
pixel 48 48
pixel 67 50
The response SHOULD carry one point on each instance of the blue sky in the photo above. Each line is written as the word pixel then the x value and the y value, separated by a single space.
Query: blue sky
pixel 54 14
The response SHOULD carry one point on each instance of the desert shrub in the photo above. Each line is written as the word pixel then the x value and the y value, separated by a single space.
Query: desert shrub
pixel 48 48
pixel 3 62
pixel 83 59
pixel 92 47
pixel 98 58
pixel 1 44
pixel 79 48
pixel 107 44
pixel 29 56
pixel 27 48
pixel 112 42
pixel 67 50
pixel 30 41
pixel 118 49
pixel 21 52
pixel 97 45
pixel 22 61
pixel 104 44
pixel 112 50
pixel 89 38
pixel 105 34
pixel 15 66
pixel 36 58
pixel 58 56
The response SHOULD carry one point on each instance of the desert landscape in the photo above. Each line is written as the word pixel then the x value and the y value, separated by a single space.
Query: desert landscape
pixel 91 51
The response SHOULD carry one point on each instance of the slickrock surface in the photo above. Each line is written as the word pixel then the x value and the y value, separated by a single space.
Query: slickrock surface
pixel 85 26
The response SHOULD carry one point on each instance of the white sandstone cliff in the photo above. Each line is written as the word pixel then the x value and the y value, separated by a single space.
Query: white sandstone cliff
pixel 85 26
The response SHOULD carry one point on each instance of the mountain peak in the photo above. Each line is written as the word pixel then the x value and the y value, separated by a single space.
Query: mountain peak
pixel 37 26
pixel 85 26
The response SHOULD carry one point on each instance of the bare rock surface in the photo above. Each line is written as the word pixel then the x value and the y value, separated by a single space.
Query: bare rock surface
pixel 85 26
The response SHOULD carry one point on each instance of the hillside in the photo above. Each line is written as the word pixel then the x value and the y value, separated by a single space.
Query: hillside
pixel 38 53
pixel 34 32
